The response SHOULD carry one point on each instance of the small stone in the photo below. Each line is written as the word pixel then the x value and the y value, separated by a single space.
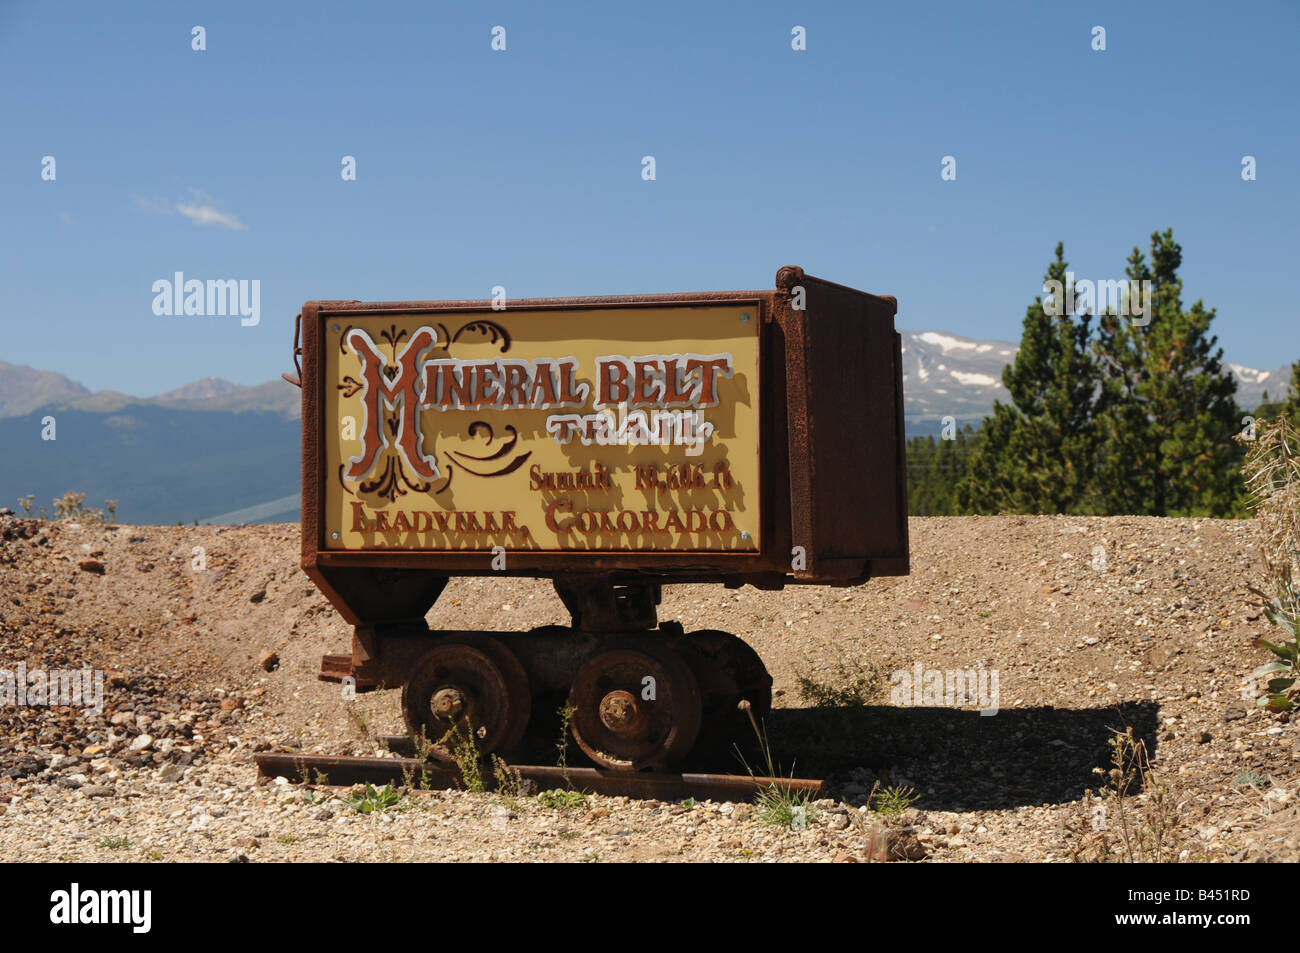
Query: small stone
pixel 1278 796
pixel 98 790
pixel 140 743
pixel 171 773
pixel 269 661
pixel 126 718
pixel 90 564
pixel 1204 738
pixel 231 702
pixel 1234 714
pixel 105 766
pixel 596 813
pixel 258 596
pixel 844 857
pixel 93 751
pixel 905 845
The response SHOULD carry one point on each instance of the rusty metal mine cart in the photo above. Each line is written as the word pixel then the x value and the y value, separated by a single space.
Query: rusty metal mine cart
pixel 613 445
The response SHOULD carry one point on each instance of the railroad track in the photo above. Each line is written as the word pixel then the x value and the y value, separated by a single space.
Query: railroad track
pixel 334 770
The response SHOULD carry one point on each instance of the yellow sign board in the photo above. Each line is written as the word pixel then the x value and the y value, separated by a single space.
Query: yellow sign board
pixel 602 429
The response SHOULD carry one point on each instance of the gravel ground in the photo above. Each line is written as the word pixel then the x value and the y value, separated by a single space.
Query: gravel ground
pixel 1091 624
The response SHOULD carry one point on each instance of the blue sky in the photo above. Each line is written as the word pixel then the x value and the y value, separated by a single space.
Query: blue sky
pixel 523 168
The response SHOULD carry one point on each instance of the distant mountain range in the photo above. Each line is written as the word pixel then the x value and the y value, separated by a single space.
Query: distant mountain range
pixel 946 374
pixel 209 449
pixel 215 451
pixel 23 390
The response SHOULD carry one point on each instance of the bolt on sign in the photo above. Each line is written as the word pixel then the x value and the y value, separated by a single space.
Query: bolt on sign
pixel 593 429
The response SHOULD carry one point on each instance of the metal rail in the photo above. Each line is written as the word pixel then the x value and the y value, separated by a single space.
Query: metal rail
pixel 324 769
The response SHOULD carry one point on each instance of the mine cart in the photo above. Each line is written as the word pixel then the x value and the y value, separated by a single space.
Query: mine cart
pixel 612 445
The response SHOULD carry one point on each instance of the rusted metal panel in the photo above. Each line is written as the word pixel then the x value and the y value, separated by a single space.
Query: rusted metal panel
pixel 845 438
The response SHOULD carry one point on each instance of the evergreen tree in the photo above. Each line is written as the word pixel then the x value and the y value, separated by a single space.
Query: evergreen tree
pixel 1291 406
pixel 1268 407
pixel 1036 453
pixel 934 470
pixel 1167 412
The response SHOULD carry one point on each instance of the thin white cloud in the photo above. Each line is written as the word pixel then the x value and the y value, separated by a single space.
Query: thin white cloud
pixel 207 215
pixel 161 206
pixel 201 210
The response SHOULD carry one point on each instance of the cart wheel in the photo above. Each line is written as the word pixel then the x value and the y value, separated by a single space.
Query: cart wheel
pixel 636 707
pixel 469 685
pixel 746 677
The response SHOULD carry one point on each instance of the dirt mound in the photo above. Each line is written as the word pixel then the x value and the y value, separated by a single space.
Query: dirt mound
pixel 1077 626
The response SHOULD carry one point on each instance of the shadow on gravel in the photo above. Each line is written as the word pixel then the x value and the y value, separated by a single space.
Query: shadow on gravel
pixel 957 759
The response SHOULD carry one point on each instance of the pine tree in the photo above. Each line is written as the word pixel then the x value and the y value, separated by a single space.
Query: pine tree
pixel 934 470
pixel 1167 412
pixel 1291 406
pixel 1036 453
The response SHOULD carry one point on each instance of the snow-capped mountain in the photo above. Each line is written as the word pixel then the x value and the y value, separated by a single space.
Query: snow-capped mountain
pixel 947 374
